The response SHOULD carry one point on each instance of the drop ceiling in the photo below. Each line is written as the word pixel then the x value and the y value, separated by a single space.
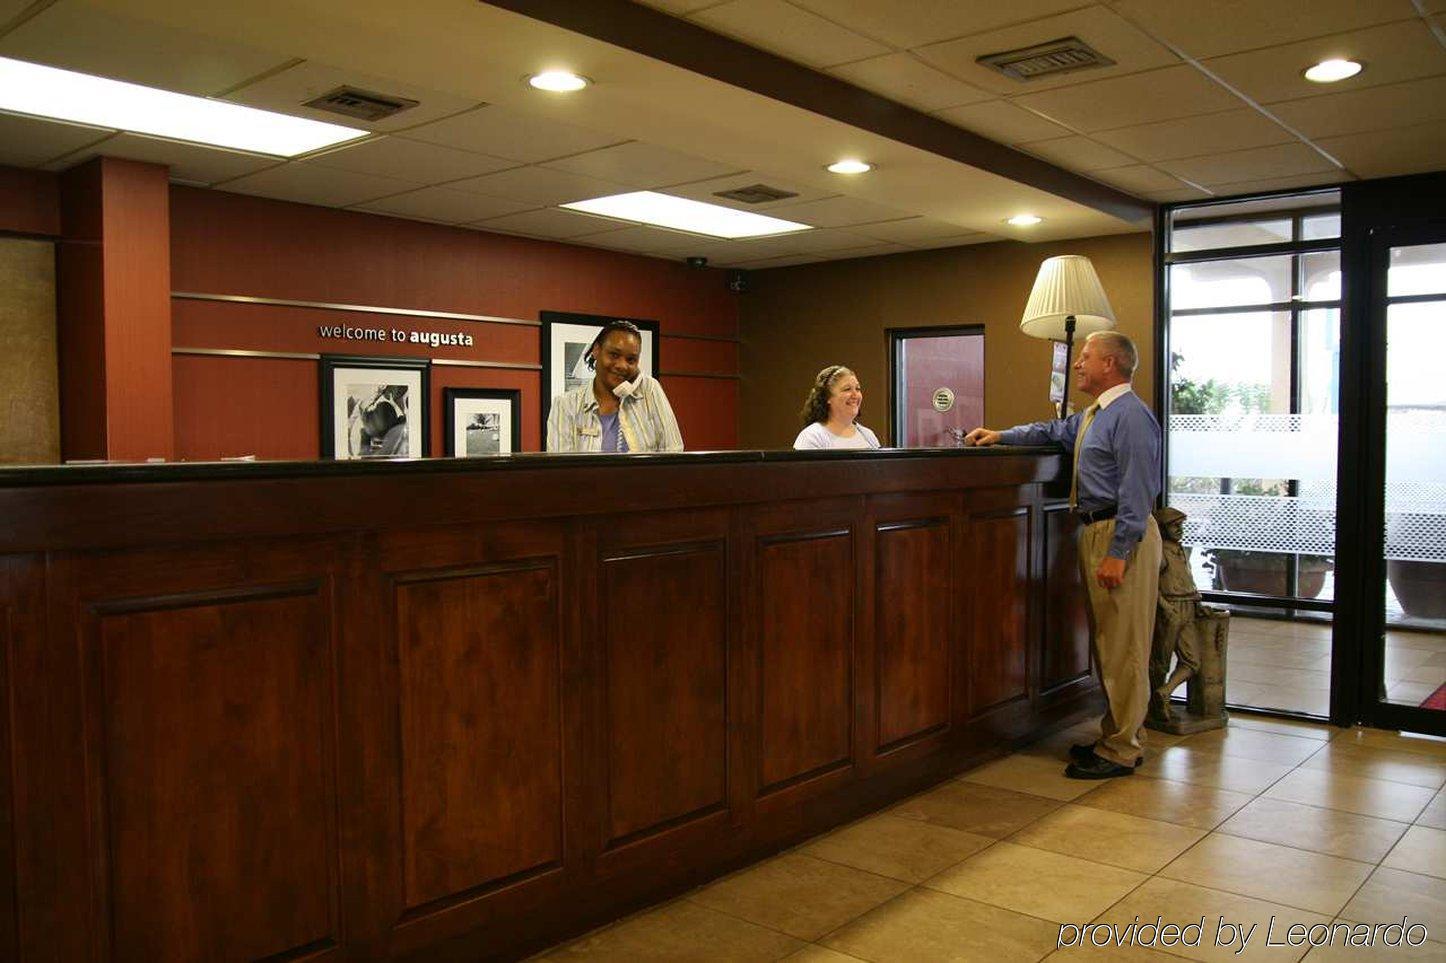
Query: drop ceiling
pixel 1204 99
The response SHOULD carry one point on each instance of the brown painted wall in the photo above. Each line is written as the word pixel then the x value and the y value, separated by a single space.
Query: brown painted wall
pixel 30 415
pixel 797 320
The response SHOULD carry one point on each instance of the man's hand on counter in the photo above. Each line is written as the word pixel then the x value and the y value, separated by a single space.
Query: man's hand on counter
pixel 981 437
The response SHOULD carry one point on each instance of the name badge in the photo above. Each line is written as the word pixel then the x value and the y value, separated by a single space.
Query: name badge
pixel 589 430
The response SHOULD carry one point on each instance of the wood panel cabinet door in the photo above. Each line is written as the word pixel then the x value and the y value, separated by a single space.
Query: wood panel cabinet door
pixel 995 571
pixel 1065 656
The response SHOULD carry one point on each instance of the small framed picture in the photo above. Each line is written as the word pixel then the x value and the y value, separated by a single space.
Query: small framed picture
pixel 565 340
pixel 482 421
pixel 373 407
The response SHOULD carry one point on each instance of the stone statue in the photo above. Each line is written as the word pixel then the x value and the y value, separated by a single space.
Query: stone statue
pixel 1192 634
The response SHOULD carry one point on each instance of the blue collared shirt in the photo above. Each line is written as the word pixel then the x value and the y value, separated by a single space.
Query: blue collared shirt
pixel 1119 463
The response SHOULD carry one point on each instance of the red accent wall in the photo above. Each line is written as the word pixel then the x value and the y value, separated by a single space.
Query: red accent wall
pixel 234 244
pixel 29 202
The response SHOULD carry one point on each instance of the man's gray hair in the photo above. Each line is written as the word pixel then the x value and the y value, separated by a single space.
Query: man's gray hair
pixel 1119 347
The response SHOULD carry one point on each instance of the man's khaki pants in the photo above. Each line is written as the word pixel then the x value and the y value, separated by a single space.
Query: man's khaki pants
pixel 1122 621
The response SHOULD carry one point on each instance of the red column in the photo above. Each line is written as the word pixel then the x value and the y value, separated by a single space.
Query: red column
pixel 114 292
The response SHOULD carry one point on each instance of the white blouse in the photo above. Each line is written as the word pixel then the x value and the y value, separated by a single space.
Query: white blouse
pixel 817 435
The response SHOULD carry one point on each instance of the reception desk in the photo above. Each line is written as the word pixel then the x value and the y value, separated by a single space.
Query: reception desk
pixel 461 709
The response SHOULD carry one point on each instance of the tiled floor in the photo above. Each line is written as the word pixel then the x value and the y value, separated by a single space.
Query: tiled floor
pixel 1268 819
pixel 1286 665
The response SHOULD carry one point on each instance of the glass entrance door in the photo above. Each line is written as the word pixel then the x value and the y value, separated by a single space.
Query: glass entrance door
pixel 1405 670
pixel 938 384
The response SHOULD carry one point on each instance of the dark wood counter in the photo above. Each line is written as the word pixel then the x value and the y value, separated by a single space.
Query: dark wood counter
pixel 460 709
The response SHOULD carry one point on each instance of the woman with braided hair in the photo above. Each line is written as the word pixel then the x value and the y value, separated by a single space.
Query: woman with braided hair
pixel 621 409
pixel 831 410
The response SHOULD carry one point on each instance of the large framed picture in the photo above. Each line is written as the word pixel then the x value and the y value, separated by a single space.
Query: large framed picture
pixel 373 407
pixel 482 421
pixel 565 340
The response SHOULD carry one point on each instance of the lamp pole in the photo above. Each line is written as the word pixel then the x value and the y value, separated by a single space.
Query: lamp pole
pixel 1068 351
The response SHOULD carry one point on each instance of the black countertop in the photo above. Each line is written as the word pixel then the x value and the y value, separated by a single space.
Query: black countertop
pixel 90 473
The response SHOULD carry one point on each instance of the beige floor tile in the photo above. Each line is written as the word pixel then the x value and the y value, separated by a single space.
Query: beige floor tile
pixel 680 931
pixel 1117 954
pixel 1409 693
pixel 986 810
pixel 1289 727
pixel 798 895
pixel 1183 803
pixel 1421 850
pixel 1315 702
pixel 1246 670
pixel 1342 952
pixel 906 849
pixel 1185 903
pixel 1183 764
pixel 1293 877
pixel 1392 893
pixel 1104 836
pixel 819 954
pixel 1254 744
pixel 1434 815
pixel 1049 885
pixel 1435 641
pixel 1430 675
pixel 1328 831
pixel 1397 741
pixel 1369 797
pixel 1367 762
pixel 925 925
pixel 1028 774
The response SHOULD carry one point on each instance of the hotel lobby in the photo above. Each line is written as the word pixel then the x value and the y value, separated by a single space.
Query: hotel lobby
pixel 358 604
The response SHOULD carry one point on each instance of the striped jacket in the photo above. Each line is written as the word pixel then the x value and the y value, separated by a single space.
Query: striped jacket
pixel 645 420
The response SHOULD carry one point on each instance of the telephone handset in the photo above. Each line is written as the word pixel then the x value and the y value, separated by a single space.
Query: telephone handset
pixel 628 388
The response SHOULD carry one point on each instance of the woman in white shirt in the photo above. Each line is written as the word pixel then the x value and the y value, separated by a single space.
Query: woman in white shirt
pixel 831 410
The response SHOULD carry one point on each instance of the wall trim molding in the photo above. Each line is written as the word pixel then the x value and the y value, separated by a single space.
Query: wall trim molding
pixel 360 308
pixel 309 356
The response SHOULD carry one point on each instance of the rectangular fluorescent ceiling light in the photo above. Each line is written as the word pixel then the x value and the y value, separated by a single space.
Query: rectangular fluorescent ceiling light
pixel 50 92
pixel 682 214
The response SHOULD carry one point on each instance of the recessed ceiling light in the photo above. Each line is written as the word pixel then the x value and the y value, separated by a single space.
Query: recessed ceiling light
pixel 558 81
pixel 1330 71
pixel 1024 220
pixel 27 88
pixel 850 166
pixel 682 214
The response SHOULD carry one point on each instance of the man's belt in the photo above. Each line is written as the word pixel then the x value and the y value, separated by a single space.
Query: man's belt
pixel 1098 515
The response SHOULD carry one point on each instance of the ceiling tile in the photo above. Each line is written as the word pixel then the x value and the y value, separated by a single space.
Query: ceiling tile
pixel 443 204
pixel 81 36
pixel 1139 178
pixel 1391 53
pixel 310 184
pixel 917 22
pixel 661 243
pixel 1385 153
pixel 956 240
pixel 1281 184
pixel 1227 26
pixel 1078 153
pixel 913 231
pixel 840 211
pixel 1373 108
pixel 500 132
pixel 1227 130
pixel 286 91
pixel 30 142
pixel 1003 121
pixel 903 78
pixel 1279 160
pixel 678 7
pixel 540 186
pixel 411 160
pixel 1136 99
pixel 641 165
pixel 1109 33
pixel 786 30
pixel 707 190
pixel 191 163
pixel 551 223
pixel 1179 194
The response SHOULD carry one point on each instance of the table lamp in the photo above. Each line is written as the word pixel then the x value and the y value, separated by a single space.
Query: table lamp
pixel 1067 299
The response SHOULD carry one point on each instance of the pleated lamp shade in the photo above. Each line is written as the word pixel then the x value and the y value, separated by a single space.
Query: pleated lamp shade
pixel 1067 285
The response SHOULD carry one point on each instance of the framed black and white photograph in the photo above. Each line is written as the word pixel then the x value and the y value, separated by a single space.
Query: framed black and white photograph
pixel 373 407
pixel 565 340
pixel 482 421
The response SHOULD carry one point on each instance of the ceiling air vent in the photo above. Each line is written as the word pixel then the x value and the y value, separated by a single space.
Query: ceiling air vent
pixel 1047 59
pixel 755 194
pixel 361 104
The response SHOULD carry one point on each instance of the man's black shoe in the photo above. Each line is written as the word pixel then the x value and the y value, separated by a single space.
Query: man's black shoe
pixel 1084 753
pixel 1097 767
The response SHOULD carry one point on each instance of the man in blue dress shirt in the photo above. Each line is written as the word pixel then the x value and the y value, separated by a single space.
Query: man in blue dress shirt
pixel 1116 479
